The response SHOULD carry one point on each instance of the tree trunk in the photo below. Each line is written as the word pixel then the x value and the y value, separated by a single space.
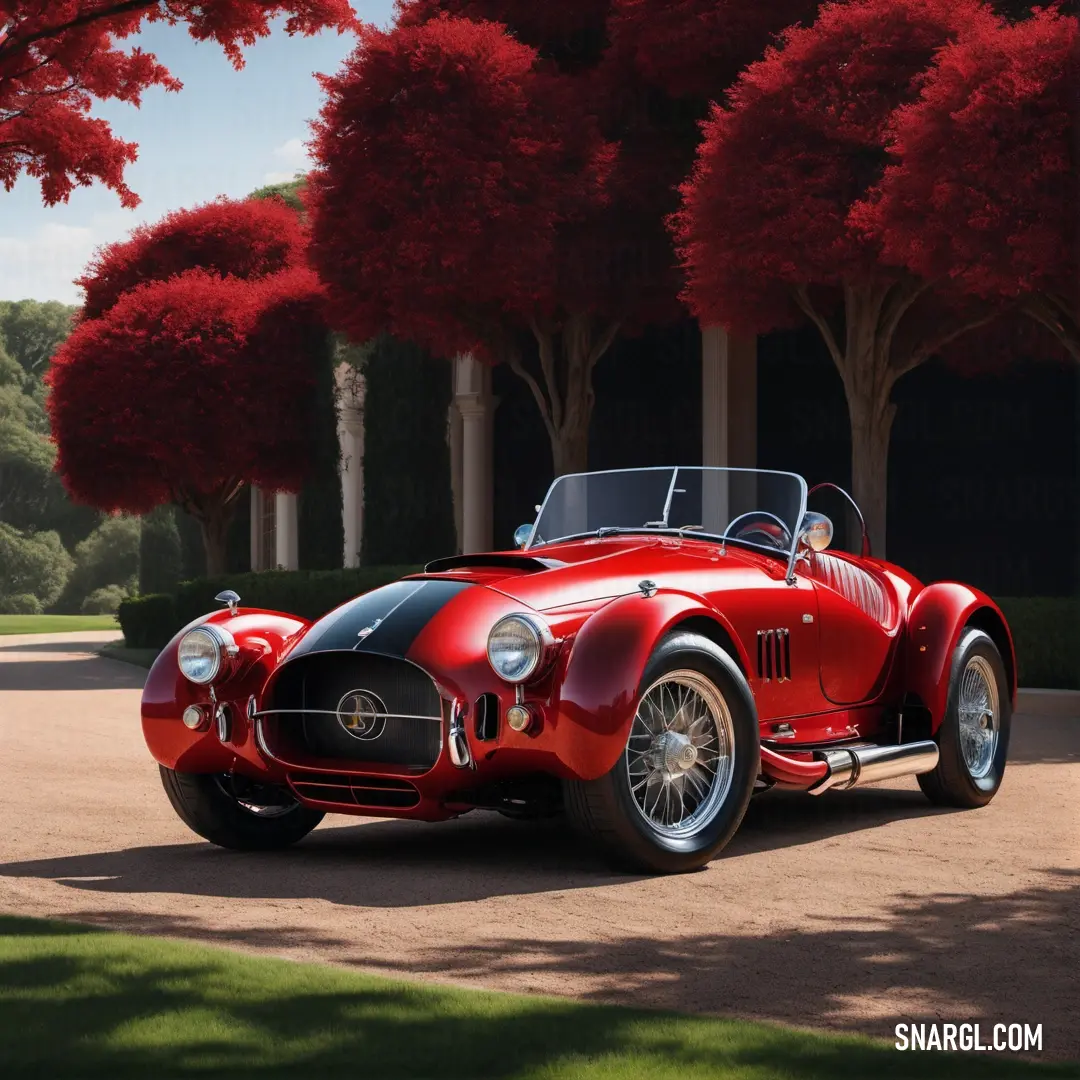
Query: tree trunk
pixel 215 533
pixel 567 359
pixel 871 428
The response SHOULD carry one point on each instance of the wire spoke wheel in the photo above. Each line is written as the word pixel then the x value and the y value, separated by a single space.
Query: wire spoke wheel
pixel 979 716
pixel 680 755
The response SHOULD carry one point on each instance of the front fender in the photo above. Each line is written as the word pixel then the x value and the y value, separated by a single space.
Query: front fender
pixel 263 637
pixel 599 693
pixel 935 622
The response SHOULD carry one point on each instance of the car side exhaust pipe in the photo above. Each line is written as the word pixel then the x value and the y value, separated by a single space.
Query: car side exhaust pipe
pixel 861 765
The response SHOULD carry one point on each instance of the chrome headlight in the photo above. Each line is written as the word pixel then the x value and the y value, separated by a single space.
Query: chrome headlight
pixel 204 653
pixel 517 646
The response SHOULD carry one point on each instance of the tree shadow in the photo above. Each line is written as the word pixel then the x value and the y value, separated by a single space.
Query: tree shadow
pixel 95 1006
pixel 67 672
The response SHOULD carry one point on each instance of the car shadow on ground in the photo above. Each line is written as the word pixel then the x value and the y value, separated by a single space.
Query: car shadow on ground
pixel 68 669
pixel 481 855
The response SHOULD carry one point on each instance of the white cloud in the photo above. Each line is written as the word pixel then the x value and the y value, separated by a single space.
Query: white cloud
pixel 279 177
pixel 294 153
pixel 44 264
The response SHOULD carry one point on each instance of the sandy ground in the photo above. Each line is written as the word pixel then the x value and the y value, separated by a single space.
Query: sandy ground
pixel 853 911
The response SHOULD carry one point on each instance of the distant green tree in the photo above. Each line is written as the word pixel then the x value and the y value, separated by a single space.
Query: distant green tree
pixel 291 192
pixel 32 330
pixel 108 556
pixel 160 555
pixel 34 564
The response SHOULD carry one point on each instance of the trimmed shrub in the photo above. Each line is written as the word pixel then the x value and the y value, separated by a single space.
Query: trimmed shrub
pixel 32 563
pixel 148 622
pixel 104 601
pixel 20 604
pixel 307 593
pixel 160 557
pixel 1046 633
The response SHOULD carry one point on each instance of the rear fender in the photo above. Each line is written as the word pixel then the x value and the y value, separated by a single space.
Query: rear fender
pixel 935 623
pixel 599 691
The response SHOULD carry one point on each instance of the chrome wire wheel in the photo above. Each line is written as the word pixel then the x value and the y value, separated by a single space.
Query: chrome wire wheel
pixel 680 757
pixel 979 715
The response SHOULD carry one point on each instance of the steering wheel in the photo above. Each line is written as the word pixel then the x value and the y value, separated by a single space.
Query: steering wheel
pixel 760 527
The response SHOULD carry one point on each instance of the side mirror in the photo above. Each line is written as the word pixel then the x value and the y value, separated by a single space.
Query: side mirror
pixel 816 532
pixel 522 535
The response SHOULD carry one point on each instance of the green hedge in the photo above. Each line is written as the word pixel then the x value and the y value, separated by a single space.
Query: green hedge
pixel 1046 633
pixel 1046 630
pixel 150 621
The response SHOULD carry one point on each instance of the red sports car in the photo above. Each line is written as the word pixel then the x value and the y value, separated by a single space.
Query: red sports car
pixel 661 644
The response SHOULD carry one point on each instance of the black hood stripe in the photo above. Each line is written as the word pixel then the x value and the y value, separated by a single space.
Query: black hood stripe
pixel 398 613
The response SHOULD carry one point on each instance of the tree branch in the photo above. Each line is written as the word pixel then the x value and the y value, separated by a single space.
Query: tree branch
pixel 547 366
pixel 604 343
pixel 14 44
pixel 802 297
pixel 518 368
pixel 1053 313
pixel 922 352
pixel 899 301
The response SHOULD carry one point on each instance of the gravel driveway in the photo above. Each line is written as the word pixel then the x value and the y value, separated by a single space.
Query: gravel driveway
pixel 853 911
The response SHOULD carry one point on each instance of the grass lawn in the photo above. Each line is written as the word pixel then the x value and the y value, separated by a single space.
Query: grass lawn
pixel 55 624
pixel 82 1003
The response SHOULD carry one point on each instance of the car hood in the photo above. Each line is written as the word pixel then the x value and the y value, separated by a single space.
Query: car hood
pixel 581 572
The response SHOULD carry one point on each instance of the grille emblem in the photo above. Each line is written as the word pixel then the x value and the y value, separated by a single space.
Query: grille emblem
pixel 362 715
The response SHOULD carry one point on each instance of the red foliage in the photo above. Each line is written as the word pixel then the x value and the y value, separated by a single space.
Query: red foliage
pixel 56 57
pixel 985 188
pixel 186 389
pixel 801 145
pixel 569 31
pixel 248 238
pixel 449 164
pixel 696 48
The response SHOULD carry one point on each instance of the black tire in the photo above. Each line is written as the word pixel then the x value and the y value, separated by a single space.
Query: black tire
pixel 952 783
pixel 209 805
pixel 605 809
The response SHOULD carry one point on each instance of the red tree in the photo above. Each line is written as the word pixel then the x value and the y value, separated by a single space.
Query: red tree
pixel 985 188
pixel 247 238
pixel 185 391
pixel 57 57
pixel 459 201
pixel 777 221
pixel 696 48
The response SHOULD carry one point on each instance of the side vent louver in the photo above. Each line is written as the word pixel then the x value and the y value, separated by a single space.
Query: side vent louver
pixel 487 717
pixel 774 655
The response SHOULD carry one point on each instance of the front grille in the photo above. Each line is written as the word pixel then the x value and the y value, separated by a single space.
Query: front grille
pixel 392 709
pixel 377 792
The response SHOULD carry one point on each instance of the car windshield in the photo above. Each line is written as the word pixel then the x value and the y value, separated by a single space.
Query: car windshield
pixel 754 507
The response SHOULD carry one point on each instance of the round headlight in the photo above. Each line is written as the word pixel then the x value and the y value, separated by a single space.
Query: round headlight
pixel 516 646
pixel 201 654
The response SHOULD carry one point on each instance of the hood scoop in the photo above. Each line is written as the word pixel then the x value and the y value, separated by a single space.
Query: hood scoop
pixel 496 560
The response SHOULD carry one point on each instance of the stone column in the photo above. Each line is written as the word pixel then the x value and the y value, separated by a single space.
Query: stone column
pixel 454 437
pixel 472 396
pixel 351 437
pixel 729 418
pixel 287 531
pixel 256 528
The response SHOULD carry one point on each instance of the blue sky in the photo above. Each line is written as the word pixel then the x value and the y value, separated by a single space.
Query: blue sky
pixel 225 133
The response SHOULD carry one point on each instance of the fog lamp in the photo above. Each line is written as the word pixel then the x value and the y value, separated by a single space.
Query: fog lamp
pixel 195 718
pixel 519 717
